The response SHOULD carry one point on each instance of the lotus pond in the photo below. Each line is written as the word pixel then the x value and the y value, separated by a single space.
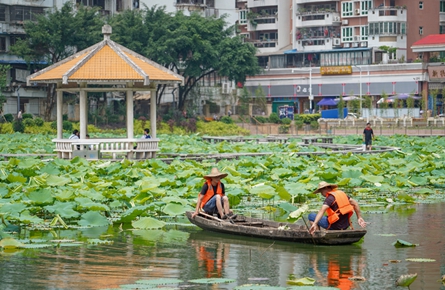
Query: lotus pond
pixel 101 225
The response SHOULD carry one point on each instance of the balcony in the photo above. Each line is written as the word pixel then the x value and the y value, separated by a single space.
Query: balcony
pixel 314 1
pixel 190 4
pixel 318 19
pixel 387 13
pixel 317 44
pixel 261 3
pixel 442 17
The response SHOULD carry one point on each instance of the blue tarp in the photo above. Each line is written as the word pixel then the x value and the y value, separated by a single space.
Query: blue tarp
pixel 290 51
pixel 327 102
pixel 333 114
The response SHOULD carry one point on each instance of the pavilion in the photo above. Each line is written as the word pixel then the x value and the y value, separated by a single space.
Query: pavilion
pixel 106 67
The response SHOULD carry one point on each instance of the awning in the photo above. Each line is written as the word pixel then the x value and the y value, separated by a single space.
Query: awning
pixel 290 51
pixel 404 97
pixel 327 102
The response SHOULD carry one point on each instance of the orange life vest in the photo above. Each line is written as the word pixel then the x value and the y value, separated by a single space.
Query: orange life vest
pixel 337 279
pixel 344 206
pixel 209 194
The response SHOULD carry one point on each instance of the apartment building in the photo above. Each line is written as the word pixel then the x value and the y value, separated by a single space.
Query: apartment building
pixel 332 48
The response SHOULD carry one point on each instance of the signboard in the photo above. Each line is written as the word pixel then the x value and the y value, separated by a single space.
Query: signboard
pixel 336 70
pixel 436 73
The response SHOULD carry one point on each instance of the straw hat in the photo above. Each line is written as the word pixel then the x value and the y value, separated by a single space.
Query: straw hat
pixel 215 173
pixel 324 184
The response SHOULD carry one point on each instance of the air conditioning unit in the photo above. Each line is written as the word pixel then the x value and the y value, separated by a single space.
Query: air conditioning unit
pixel 337 41
pixel 356 38
pixel 357 11
pixel 355 44
pixel 346 44
pixel 225 90
pixel 336 18
pixel 364 44
pixel 345 22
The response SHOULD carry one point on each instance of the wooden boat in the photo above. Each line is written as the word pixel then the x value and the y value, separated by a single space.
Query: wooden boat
pixel 253 227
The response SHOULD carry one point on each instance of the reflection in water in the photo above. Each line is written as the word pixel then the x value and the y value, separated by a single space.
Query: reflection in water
pixel 189 253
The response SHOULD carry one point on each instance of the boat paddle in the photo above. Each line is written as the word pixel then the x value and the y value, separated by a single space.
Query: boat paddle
pixel 308 229
pixel 214 218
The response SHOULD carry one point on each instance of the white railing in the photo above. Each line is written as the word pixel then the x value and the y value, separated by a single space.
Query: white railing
pixel 106 148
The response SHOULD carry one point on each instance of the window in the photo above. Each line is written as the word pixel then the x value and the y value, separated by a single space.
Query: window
pixel 364 33
pixel 365 6
pixel 421 30
pixel 2 43
pixel 243 17
pixel 442 6
pixel 420 4
pixel 2 13
pixel 346 9
pixel 346 34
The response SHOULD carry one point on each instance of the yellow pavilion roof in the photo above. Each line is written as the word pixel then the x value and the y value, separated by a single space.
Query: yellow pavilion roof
pixel 105 62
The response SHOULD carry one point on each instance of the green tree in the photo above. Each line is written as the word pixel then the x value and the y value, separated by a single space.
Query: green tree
pixel 341 106
pixel 56 35
pixel 3 78
pixel 244 101
pixel 260 99
pixel 384 105
pixel 410 105
pixel 193 46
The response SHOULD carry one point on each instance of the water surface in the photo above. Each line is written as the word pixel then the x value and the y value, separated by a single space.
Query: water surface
pixel 188 253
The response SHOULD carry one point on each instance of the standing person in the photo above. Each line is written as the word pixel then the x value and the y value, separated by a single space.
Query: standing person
pixel 146 134
pixel 368 136
pixel 339 207
pixel 212 198
pixel 75 135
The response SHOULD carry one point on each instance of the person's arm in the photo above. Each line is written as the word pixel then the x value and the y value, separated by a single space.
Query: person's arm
pixel 320 214
pixel 372 134
pixel 198 204
pixel 356 207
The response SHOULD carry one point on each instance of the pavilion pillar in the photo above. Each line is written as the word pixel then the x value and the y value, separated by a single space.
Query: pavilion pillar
pixel 83 112
pixel 153 113
pixel 130 115
pixel 59 113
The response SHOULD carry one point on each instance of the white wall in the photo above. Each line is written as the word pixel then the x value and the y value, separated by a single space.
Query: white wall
pixel 169 7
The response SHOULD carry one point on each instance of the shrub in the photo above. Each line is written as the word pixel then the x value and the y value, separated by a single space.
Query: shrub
pixel 261 119
pixel 27 116
pixel 67 126
pixel 273 118
pixel 226 120
pixel 18 126
pixel 28 122
pixel 286 121
pixel 299 124
pixel 65 117
pixel 54 125
pixel 283 129
pixel 39 122
pixel 308 118
pixel 314 125
pixel 9 118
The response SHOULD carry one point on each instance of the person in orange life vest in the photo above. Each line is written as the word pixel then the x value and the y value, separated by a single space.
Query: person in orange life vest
pixel 339 207
pixel 212 198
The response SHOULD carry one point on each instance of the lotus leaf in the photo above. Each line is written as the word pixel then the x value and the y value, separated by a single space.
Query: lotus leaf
pixel 93 219
pixel 401 243
pixel 263 191
pixel 212 281
pixel 41 197
pixel 148 223
pixel 136 286
pixel 296 215
pixel 306 281
pixel 420 260
pixel 10 243
pixel 162 281
pixel 406 280
pixel 14 177
pixel 175 209
pixel 86 203
pixel 258 287
pixel 53 180
pixel 64 209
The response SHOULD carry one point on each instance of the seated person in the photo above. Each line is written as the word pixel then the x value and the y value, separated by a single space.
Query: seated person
pixel 212 198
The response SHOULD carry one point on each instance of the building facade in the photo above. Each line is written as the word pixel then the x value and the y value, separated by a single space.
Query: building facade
pixel 338 48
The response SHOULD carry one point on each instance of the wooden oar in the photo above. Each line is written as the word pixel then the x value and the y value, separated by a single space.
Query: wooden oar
pixel 213 217
pixel 308 229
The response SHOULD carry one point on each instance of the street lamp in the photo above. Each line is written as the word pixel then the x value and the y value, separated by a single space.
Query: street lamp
pixel 360 88
pixel 18 99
